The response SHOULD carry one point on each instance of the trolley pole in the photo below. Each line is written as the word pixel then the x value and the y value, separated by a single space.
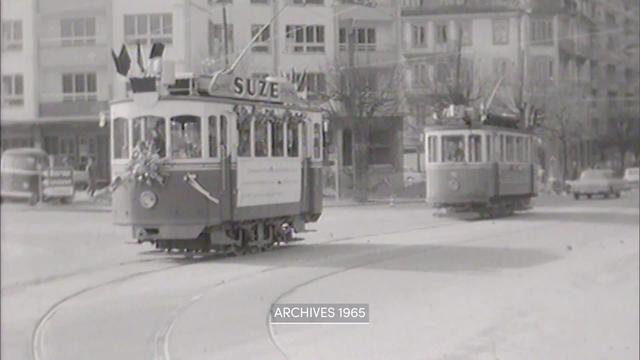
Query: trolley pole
pixel 225 33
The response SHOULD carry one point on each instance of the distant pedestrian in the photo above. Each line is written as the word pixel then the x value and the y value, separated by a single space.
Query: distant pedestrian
pixel 91 177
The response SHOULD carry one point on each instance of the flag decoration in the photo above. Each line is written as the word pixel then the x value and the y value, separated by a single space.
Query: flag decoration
pixel 122 61
pixel 140 57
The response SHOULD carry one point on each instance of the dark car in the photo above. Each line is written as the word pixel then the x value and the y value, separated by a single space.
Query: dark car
pixel 30 174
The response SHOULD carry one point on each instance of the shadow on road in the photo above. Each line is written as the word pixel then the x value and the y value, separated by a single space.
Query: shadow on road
pixel 420 258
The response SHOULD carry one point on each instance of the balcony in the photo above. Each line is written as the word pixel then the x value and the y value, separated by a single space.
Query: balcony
pixel 61 105
pixel 369 55
pixel 57 52
pixel 437 7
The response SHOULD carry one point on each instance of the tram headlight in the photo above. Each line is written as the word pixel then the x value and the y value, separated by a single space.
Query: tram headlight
pixel 454 185
pixel 148 199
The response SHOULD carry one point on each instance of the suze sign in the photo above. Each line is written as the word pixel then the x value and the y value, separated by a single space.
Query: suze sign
pixel 255 88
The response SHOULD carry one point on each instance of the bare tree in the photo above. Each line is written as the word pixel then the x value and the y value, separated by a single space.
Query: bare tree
pixel 360 93
pixel 624 133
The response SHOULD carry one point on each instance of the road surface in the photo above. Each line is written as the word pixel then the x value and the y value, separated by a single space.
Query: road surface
pixel 558 282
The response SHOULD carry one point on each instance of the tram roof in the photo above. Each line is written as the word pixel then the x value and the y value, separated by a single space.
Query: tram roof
pixel 226 100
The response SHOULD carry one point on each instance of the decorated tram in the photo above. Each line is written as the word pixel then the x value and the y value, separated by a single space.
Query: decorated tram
pixel 480 163
pixel 222 162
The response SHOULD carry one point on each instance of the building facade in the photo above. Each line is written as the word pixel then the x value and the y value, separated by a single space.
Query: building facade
pixel 66 78
pixel 535 45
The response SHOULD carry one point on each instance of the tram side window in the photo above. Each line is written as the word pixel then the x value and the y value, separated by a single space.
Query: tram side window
pixel 453 148
pixel 261 135
pixel 510 149
pixel 213 136
pixel 223 131
pixel 186 142
pixel 475 148
pixel 244 138
pixel 138 131
pixel 277 139
pixel 501 149
pixel 305 140
pixel 489 148
pixel 317 141
pixel 520 149
pixel 120 139
pixel 432 147
pixel 293 139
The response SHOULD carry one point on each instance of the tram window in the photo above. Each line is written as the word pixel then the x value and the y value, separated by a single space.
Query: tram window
pixel 120 138
pixel 432 147
pixel 519 149
pixel 261 135
pixel 501 149
pixel 453 148
pixel 475 148
pixel 149 130
pixel 186 142
pixel 511 151
pixel 244 138
pixel 305 140
pixel 317 141
pixel 277 139
pixel 223 131
pixel 213 136
pixel 489 148
pixel 293 139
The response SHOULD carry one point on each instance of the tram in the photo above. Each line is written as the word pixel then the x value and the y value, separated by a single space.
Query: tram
pixel 224 163
pixel 485 167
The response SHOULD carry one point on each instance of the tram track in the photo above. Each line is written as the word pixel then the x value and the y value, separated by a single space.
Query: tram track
pixel 435 247
pixel 161 347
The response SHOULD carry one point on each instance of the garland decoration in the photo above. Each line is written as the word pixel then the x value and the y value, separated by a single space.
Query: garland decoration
pixel 146 166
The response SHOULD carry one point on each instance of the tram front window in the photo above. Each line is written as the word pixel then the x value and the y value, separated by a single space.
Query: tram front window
pixel 148 132
pixel 453 148
pixel 261 135
pixel 186 142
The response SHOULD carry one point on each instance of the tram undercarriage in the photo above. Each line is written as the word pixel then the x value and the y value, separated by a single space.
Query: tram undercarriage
pixel 237 238
pixel 495 208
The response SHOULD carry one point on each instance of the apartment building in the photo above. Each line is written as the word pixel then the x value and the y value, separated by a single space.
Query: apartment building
pixel 535 44
pixel 19 101
pixel 301 37
pixel 66 79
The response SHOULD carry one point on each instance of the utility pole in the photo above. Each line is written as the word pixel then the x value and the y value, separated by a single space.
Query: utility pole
pixel 225 33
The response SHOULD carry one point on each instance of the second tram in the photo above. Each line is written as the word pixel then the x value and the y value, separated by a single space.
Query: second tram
pixel 478 168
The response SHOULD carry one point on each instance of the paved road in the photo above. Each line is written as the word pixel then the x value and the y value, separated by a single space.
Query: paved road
pixel 558 282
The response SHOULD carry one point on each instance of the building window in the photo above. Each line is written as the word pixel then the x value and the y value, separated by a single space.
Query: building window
pixel 365 39
pixel 79 87
pixel 316 83
pixel 501 67
pixel 542 32
pixel 305 39
pixel 12 90
pixel 12 35
pixel 465 32
pixel 216 39
pixel 148 28
pixel 262 43
pixel 77 32
pixel 419 36
pixel 542 69
pixel 441 34
pixel 500 31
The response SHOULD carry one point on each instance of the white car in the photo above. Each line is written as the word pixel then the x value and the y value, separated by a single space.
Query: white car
pixel 632 177
pixel 597 182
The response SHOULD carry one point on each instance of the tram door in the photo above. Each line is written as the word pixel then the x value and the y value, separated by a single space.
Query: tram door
pixel 269 167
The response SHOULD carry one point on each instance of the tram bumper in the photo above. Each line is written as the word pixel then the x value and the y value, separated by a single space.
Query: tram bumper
pixel 145 233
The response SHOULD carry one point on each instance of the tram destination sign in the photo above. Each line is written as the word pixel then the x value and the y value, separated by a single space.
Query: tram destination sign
pixel 256 88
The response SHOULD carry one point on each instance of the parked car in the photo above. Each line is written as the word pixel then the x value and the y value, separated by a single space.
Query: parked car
pixel 632 177
pixel 30 174
pixel 597 182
